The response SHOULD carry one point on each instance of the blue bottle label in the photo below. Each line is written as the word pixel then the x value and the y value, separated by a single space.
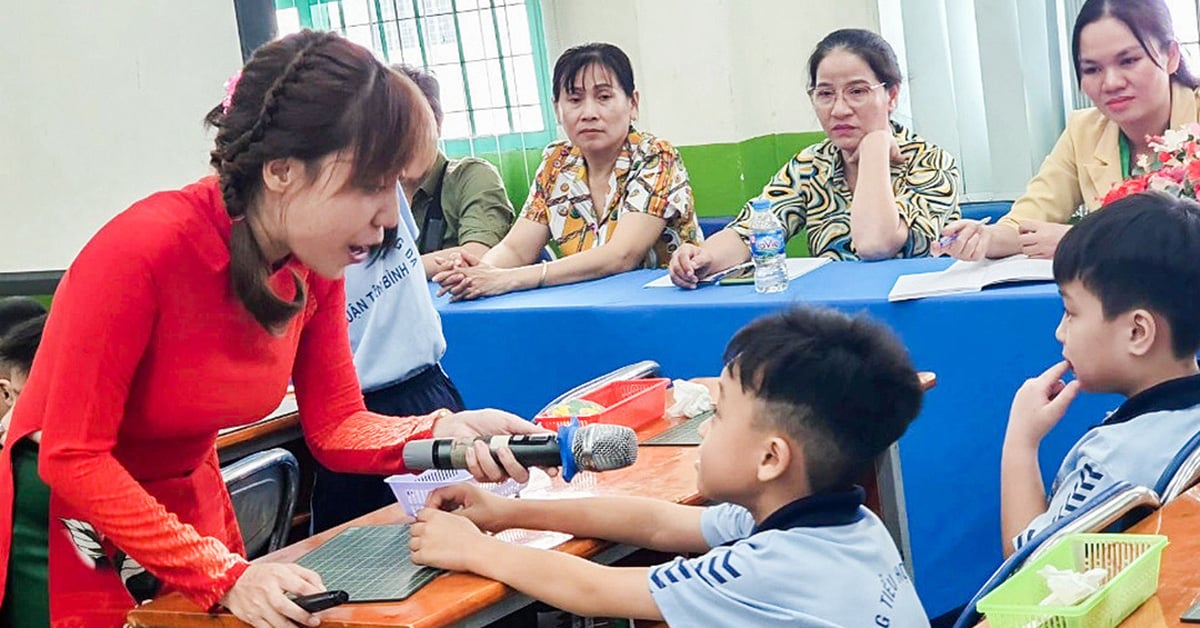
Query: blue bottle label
pixel 767 242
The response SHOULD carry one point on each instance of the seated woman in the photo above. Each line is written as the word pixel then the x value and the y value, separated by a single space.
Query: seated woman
pixel 1128 62
pixel 608 200
pixel 872 190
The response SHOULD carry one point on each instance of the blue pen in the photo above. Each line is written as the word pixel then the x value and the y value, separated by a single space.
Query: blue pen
pixel 946 241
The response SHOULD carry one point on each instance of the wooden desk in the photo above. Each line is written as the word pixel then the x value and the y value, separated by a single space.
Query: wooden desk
pixel 454 599
pixel 281 427
pixel 664 472
pixel 1179 576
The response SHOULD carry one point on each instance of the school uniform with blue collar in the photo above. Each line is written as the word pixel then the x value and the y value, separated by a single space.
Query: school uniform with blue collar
pixel 824 560
pixel 1135 444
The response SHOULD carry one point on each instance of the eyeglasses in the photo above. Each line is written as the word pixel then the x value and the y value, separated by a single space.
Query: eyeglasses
pixel 855 94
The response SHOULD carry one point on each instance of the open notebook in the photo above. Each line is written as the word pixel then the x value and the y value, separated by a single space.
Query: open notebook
pixel 963 277
pixel 796 266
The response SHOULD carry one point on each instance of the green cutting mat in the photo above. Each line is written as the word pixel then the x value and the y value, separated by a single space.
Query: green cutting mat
pixel 371 563
pixel 686 433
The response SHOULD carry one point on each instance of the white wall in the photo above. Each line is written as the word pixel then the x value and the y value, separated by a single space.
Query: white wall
pixel 101 103
pixel 985 85
pixel 712 71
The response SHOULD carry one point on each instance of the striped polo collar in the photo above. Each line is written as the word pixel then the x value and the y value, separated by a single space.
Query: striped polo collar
pixel 833 508
pixel 1174 394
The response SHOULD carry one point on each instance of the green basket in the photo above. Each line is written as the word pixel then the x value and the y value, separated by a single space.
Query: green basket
pixel 1134 558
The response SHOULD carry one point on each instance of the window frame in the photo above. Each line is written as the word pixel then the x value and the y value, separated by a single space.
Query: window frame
pixel 474 144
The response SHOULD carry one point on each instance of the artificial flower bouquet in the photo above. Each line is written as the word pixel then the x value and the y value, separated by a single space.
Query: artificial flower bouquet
pixel 1174 168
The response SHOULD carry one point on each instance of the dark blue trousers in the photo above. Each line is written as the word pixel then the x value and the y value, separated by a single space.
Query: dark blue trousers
pixel 340 497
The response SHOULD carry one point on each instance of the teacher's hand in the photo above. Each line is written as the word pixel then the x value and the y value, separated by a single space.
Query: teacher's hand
pixel 875 142
pixel 450 260
pixel 1039 239
pixel 488 422
pixel 689 265
pixel 963 239
pixel 481 280
pixel 259 597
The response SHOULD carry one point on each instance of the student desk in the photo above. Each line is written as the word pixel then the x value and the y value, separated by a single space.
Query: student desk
pixel 1179 574
pixel 279 428
pixel 519 350
pixel 460 599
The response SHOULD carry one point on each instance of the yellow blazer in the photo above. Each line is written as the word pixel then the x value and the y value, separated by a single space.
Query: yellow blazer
pixel 1086 162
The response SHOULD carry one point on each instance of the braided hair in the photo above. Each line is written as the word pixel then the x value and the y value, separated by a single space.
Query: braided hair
pixel 306 96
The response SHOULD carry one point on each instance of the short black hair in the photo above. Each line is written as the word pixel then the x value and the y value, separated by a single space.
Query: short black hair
pixel 428 84
pixel 841 386
pixel 20 343
pixel 14 310
pixel 866 45
pixel 575 60
pixel 1142 251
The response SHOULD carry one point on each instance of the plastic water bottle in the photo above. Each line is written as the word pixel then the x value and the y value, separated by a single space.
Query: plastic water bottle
pixel 766 247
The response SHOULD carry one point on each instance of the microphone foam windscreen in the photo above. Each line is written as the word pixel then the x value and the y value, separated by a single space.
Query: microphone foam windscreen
pixel 604 446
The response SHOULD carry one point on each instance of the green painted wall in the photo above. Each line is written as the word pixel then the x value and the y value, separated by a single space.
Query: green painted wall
pixel 723 176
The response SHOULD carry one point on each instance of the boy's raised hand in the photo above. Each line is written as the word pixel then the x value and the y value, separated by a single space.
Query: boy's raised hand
pixel 482 508
pixel 1040 404
pixel 445 540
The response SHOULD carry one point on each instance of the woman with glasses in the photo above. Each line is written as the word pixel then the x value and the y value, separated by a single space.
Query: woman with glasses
pixel 1129 64
pixel 871 190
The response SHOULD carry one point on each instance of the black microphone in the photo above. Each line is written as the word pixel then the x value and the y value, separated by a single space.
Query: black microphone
pixel 595 447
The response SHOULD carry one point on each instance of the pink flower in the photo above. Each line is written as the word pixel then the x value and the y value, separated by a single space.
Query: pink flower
pixel 1125 188
pixel 1193 172
pixel 1174 173
pixel 230 87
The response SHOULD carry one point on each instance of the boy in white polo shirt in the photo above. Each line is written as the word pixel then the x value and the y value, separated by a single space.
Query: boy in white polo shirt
pixel 1129 278
pixel 808 399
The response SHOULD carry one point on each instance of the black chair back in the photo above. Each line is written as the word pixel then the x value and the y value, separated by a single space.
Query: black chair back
pixel 263 487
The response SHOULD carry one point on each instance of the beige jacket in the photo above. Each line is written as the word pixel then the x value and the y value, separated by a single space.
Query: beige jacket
pixel 1086 163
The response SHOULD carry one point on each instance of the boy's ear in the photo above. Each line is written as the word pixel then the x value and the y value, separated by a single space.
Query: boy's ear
pixel 6 391
pixel 777 457
pixel 1143 332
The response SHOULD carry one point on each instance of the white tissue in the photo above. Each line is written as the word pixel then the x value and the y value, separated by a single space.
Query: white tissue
pixel 1068 587
pixel 691 399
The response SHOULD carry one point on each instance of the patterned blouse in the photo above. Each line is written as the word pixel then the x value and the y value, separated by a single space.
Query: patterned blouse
pixel 810 192
pixel 648 178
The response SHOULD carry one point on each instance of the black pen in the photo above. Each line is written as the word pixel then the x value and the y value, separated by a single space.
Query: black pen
pixel 321 601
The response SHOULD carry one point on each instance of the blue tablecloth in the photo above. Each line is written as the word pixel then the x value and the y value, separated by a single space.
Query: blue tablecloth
pixel 518 351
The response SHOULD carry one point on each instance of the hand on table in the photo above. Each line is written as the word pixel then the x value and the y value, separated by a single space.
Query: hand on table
pixel 689 264
pixel 963 239
pixel 450 260
pixel 445 540
pixel 471 282
pixel 259 597
pixel 484 509
pixel 1040 239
